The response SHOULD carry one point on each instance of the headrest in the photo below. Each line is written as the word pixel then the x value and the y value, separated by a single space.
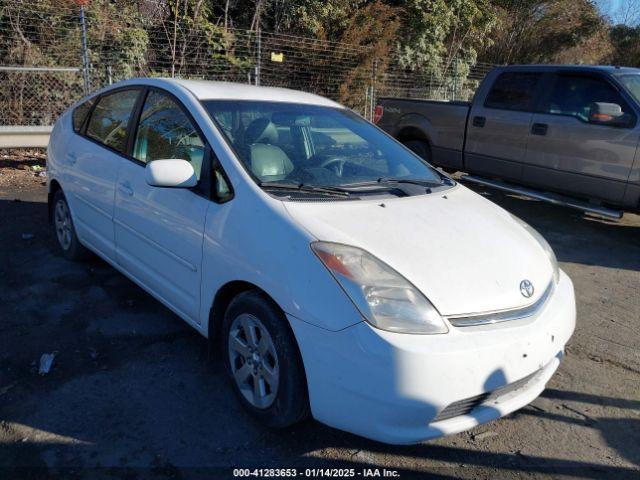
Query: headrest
pixel 269 162
pixel 261 130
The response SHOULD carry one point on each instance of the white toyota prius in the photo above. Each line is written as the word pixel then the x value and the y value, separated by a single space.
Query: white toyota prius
pixel 339 274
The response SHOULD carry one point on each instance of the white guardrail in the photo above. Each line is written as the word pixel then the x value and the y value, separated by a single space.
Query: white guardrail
pixel 27 136
pixel 24 136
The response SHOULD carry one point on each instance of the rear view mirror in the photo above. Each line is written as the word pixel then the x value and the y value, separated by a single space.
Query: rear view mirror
pixel 611 114
pixel 173 172
pixel 289 119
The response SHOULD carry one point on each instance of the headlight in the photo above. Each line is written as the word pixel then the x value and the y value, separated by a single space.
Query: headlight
pixel 545 246
pixel 385 298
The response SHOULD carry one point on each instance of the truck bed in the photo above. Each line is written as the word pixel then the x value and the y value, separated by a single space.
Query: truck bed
pixel 441 123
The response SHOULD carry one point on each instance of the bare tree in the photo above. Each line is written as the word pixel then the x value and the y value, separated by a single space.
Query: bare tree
pixel 255 22
pixel 625 12
pixel 182 28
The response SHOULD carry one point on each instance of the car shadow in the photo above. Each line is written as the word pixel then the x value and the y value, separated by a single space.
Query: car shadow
pixel 555 394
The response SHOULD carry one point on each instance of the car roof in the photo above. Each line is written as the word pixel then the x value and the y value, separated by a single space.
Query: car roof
pixel 213 90
pixel 614 70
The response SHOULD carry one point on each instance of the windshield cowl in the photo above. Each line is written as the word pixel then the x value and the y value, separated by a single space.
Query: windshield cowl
pixel 379 189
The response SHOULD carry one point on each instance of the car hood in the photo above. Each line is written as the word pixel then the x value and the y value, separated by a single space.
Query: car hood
pixel 465 254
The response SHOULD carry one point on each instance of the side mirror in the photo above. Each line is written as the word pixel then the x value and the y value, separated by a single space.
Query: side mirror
pixel 611 114
pixel 174 172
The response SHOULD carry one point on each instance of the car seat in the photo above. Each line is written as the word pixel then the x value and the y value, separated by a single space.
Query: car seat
pixel 267 160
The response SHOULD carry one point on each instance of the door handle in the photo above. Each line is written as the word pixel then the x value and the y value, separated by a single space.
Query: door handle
pixel 479 121
pixel 539 129
pixel 71 158
pixel 126 189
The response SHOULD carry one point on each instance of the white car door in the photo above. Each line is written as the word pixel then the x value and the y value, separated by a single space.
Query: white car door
pixel 159 231
pixel 92 160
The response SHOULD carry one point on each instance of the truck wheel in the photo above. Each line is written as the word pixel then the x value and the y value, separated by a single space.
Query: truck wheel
pixel 65 231
pixel 263 362
pixel 420 148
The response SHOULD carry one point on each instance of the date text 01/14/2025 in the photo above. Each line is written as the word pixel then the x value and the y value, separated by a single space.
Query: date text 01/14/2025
pixel 316 472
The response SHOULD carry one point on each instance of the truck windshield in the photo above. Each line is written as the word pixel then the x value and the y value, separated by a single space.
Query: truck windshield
pixel 632 83
pixel 314 146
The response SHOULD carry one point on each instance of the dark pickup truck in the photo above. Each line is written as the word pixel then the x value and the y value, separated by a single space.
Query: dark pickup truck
pixel 569 133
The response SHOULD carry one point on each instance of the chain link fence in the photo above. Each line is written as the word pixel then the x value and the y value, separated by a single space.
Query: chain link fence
pixel 37 95
pixel 53 52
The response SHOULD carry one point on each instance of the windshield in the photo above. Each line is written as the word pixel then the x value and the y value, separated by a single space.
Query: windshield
pixel 313 146
pixel 632 84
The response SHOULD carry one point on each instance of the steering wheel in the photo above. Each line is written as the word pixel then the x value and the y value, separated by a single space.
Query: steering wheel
pixel 335 164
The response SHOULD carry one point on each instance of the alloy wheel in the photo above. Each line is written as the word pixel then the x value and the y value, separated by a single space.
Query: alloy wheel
pixel 63 225
pixel 253 360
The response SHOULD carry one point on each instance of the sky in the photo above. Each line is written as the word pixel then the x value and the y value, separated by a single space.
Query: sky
pixel 610 7
pixel 607 6
pixel 614 3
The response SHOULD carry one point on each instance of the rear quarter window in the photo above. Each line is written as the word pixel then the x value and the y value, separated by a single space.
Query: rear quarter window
pixel 80 113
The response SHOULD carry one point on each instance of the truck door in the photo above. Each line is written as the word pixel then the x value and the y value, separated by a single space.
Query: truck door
pixel 499 126
pixel 571 150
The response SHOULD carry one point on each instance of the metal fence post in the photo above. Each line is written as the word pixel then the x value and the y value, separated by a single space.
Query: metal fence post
pixel 85 52
pixel 366 103
pixel 455 78
pixel 432 95
pixel 258 55
pixel 109 74
pixel 372 98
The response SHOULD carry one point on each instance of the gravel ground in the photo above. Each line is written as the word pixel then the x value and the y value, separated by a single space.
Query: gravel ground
pixel 133 392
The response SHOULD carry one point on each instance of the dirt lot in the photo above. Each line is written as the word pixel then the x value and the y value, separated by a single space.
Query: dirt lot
pixel 133 393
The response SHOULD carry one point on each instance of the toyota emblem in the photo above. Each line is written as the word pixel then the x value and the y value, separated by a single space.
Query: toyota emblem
pixel 526 288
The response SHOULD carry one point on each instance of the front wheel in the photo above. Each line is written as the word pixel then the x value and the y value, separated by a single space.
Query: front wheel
pixel 263 361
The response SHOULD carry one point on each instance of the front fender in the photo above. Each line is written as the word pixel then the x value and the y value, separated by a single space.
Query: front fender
pixel 252 239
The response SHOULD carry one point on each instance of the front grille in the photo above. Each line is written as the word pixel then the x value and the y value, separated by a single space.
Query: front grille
pixel 466 406
pixel 461 407
pixel 502 316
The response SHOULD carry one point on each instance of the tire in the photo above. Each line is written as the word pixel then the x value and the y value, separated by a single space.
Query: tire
pixel 64 231
pixel 266 372
pixel 420 148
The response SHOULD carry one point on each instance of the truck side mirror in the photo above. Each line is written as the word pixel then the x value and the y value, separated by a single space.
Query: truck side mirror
pixel 601 113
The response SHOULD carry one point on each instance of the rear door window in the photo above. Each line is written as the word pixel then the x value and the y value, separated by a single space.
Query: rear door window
pixel 513 91
pixel 110 119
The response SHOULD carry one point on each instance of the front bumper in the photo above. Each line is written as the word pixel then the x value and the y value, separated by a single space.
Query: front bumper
pixel 392 387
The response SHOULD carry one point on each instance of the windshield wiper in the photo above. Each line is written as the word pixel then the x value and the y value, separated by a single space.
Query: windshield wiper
pixel 303 187
pixel 388 183
pixel 422 183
